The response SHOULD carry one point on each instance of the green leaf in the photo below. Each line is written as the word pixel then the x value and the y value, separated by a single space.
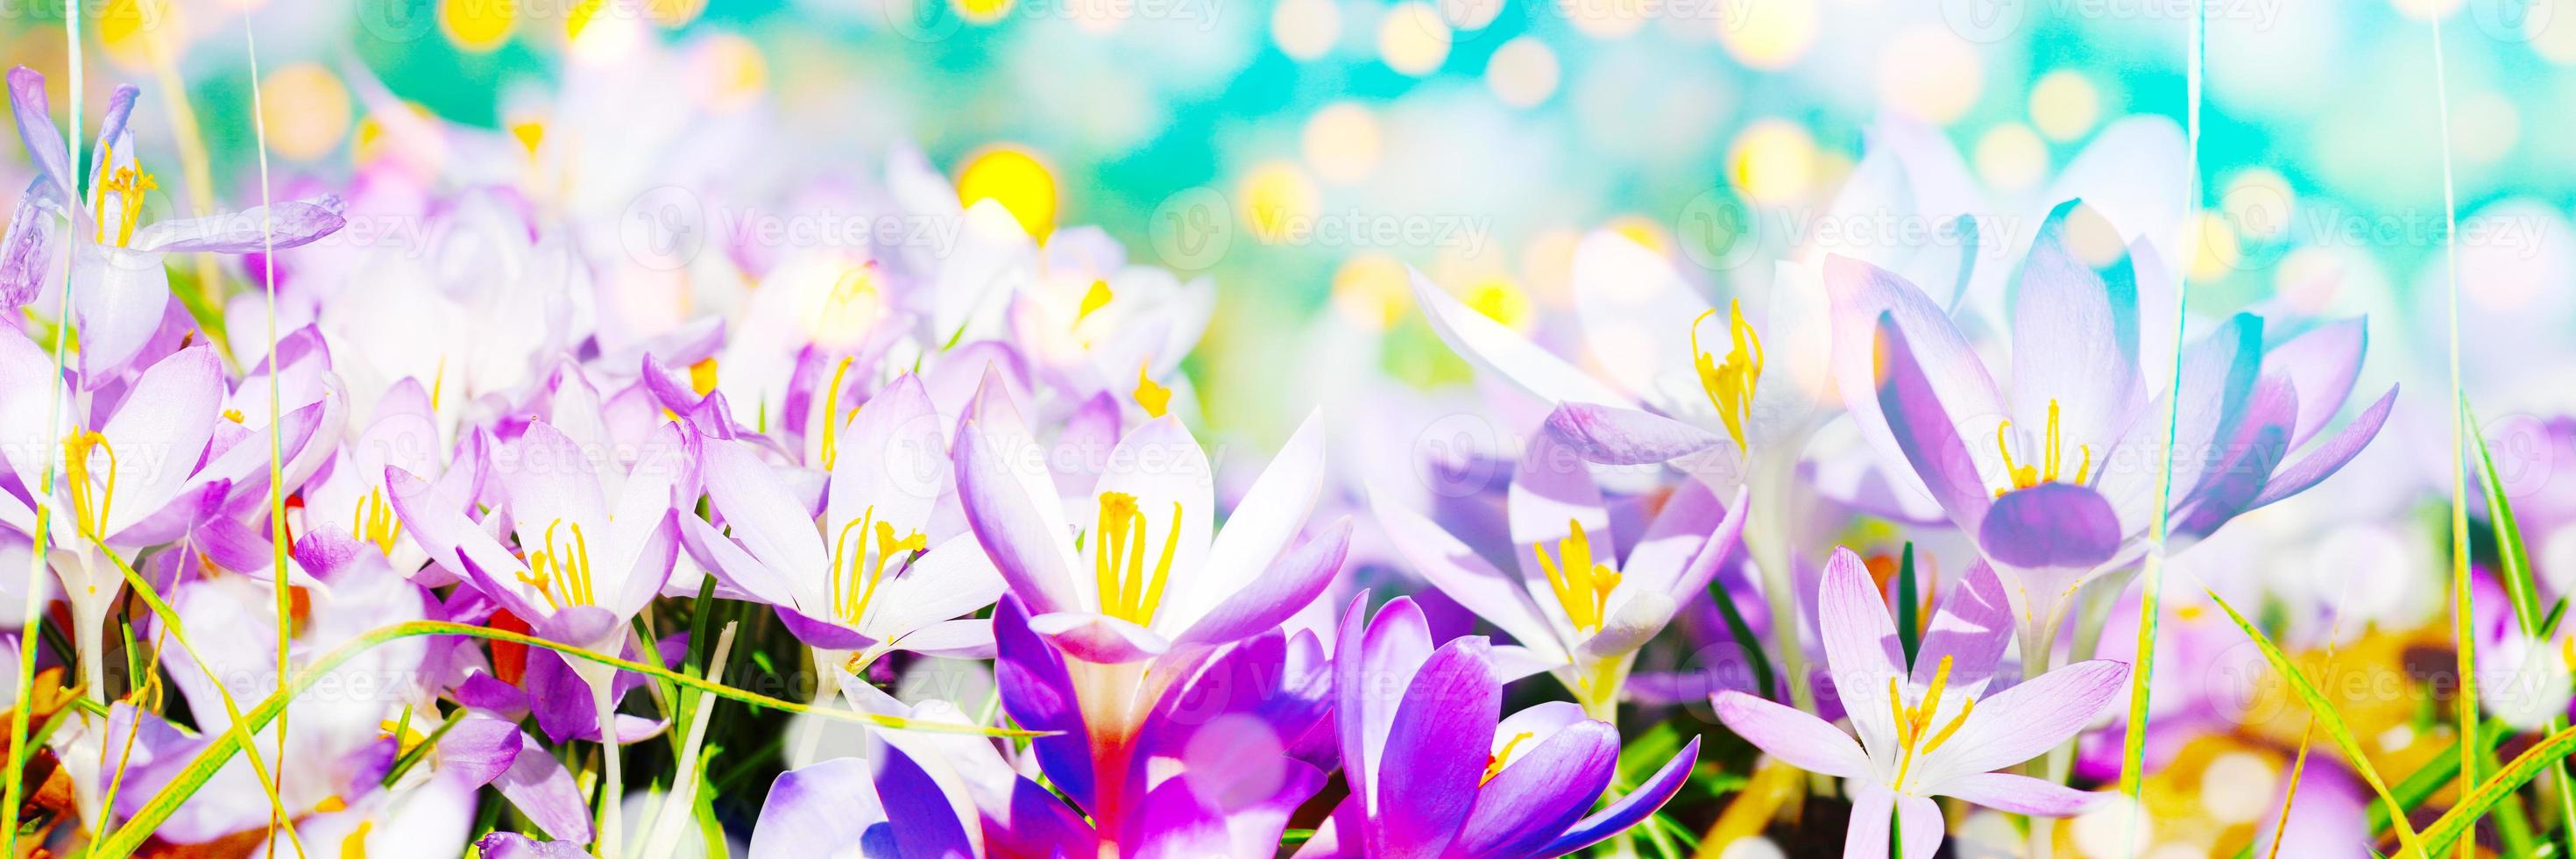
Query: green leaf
pixel 1909 606
pixel 2327 718
pixel 1742 632
pixel 2447 829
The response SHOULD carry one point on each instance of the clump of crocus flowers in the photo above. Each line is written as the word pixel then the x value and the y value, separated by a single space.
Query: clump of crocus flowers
pixel 503 541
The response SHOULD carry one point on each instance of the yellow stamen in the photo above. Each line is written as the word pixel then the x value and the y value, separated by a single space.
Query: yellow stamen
pixel 437 382
pixel 233 415
pixel 1128 591
pixel 374 521
pixel 702 376
pixel 90 503
pixel 1153 398
pixel 1494 763
pixel 1965 707
pixel 2025 476
pixel 1582 587
pixel 830 450
pixel 129 185
pixel 1730 384
pixel 554 565
pixel 1913 723
pixel 355 846
pixel 1093 299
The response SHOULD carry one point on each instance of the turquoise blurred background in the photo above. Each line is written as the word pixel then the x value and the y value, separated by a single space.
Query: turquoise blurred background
pixel 1486 134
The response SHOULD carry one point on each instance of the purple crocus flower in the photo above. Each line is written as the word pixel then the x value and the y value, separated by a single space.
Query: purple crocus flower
pixel 1160 575
pixel 1579 605
pixel 1931 728
pixel 1408 717
pixel 120 292
pixel 2054 475
pixel 894 807
pixel 869 581
pixel 1239 721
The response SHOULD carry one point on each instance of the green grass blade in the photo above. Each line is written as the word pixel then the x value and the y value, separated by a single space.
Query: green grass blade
pixel 221 749
pixel 2513 559
pixel 2456 822
pixel 2328 719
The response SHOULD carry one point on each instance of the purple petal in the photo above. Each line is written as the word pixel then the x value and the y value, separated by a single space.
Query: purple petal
pixel 2331 454
pixel 1428 778
pixel 1972 627
pixel 2050 526
pixel 771 524
pixel 119 298
pixel 1872 808
pixel 1861 649
pixel 1038 694
pixel 480 748
pixel 2020 794
pixel 27 252
pixel 923 822
pixel 36 129
pixel 1098 638
pixel 822 633
pixel 2024 721
pixel 2075 343
pixel 2323 363
pixel 543 791
pixel 1536 796
pixel 1862 294
pixel 1792 735
pixel 1287 588
pixel 1019 539
pixel 1467 577
pixel 817 809
pixel 291 224
pixel 1617 436
pixel 1628 810
pixel 1923 427
pixel 512 845
pixel 1922 826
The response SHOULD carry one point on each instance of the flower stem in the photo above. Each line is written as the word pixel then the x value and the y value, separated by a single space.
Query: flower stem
pixel 611 786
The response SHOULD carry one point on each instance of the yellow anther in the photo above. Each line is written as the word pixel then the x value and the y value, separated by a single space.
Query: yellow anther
pixel 2025 476
pixel 702 376
pixel 374 521
pixel 1730 384
pixel 129 186
pixel 1128 591
pixel 561 574
pixel 1582 586
pixel 1093 299
pixel 1914 723
pixel 830 449
pixel 233 415
pixel 854 577
pixel 90 502
pixel 1494 763
pixel 1153 398
pixel 355 846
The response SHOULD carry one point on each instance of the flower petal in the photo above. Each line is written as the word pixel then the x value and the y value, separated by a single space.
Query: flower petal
pixel 1285 588
pixel 1792 735
pixel 1497 350
pixel 1098 637
pixel 2329 455
pixel 1618 436
pixel 2051 526
pixel 1258 531
pixel 2020 794
pixel 1464 576
pixel 1427 781
pixel 1540 792
pixel 818 809
pixel 2323 362
pixel 2024 721
pixel 1861 650
pixel 1972 626
pixel 771 525
pixel 259 229
pixel 892 461
pixel 1001 474
pixel 1924 430
pixel 1626 811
